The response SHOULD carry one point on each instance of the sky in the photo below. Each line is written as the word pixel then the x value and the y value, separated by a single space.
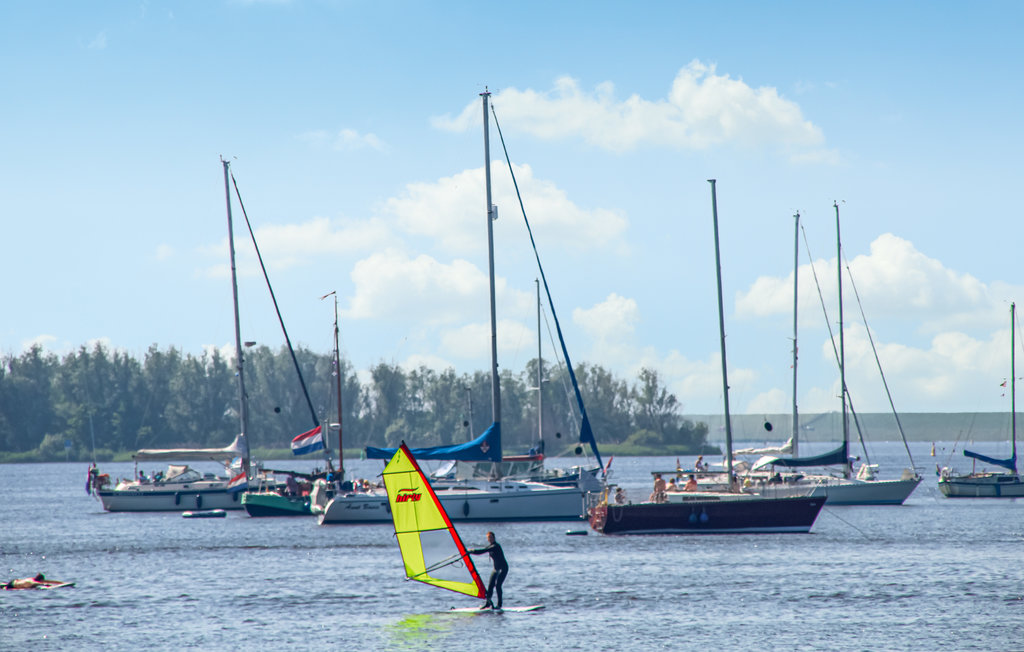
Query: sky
pixel 354 133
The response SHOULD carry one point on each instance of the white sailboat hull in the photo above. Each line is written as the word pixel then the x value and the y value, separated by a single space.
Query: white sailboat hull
pixel 839 491
pixel 164 498
pixel 491 501
pixel 983 485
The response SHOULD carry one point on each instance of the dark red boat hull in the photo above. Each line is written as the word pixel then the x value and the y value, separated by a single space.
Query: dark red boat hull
pixel 744 516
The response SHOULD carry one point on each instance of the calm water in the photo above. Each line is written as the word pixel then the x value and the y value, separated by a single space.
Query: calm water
pixel 933 573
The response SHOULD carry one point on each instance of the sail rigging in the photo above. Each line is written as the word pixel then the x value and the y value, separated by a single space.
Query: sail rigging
pixel 586 432
pixel 431 548
pixel 1010 463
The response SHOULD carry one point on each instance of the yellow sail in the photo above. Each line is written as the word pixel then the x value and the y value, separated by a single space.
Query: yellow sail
pixel 431 548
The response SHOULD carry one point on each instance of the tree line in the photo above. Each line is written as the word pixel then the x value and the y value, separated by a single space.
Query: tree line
pixel 95 403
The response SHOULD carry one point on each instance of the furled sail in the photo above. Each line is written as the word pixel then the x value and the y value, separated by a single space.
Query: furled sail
pixel 486 447
pixel 1010 464
pixel 838 456
pixel 432 550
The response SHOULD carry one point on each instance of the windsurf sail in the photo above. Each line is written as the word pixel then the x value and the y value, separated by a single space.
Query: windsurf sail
pixel 432 550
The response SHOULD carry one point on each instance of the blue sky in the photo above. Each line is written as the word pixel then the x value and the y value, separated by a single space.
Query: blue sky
pixel 355 135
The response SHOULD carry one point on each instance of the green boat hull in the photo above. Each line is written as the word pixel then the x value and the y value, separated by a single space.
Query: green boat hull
pixel 274 504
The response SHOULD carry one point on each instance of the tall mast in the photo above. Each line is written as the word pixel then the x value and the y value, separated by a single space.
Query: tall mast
pixel 337 382
pixel 721 330
pixel 540 374
pixel 842 351
pixel 243 412
pixel 796 270
pixel 1013 390
pixel 492 214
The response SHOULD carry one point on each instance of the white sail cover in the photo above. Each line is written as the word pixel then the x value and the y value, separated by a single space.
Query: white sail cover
pixel 785 449
pixel 236 449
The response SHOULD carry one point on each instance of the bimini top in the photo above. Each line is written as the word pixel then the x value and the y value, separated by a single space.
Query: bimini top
pixel 486 447
pixel 432 550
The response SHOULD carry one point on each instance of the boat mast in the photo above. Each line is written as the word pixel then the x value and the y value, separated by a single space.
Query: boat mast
pixel 842 352
pixel 337 382
pixel 540 374
pixel 492 214
pixel 243 404
pixel 1013 391
pixel 796 270
pixel 721 330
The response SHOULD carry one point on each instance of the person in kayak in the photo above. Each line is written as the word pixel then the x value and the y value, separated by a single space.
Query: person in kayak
pixel 498 574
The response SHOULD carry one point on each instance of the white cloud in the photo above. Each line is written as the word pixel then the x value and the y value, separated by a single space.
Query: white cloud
pixel 164 252
pixel 391 285
pixel 99 42
pixel 772 401
pixel 292 245
pixel 435 362
pixel 895 280
pixel 609 322
pixel 44 341
pixel 344 140
pixel 473 341
pixel 450 210
pixel 702 109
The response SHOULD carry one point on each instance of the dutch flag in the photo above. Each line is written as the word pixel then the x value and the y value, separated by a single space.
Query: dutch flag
pixel 308 442
pixel 238 483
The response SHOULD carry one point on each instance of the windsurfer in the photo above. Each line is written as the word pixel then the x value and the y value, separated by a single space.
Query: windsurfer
pixel 498 574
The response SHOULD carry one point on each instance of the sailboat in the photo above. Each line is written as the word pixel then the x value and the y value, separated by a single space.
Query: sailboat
pixel 843 489
pixel 984 483
pixel 182 488
pixel 497 499
pixel 725 512
pixel 286 498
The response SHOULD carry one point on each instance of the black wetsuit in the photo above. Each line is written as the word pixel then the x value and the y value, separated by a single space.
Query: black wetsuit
pixel 499 572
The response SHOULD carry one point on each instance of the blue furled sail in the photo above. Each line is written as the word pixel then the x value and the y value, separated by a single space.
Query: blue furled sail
pixel 838 456
pixel 586 433
pixel 485 448
pixel 1008 464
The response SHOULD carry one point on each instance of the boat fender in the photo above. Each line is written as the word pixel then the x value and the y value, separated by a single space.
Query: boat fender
pixel 703 516
pixel 177 498
pixel 199 501
pixel 465 508
pixel 693 517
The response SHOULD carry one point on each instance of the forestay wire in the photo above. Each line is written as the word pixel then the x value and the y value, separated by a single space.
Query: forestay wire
pixel 835 351
pixel 879 363
pixel 586 434
pixel 305 392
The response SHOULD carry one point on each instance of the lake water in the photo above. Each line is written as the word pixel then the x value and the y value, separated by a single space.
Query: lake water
pixel 934 573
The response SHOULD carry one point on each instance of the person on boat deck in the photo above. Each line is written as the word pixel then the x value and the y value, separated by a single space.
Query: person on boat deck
pixel 691 484
pixel 672 486
pixel 291 487
pixel 658 495
pixel 498 574
pixel 620 496
pixel 699 464
pixel 27 582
